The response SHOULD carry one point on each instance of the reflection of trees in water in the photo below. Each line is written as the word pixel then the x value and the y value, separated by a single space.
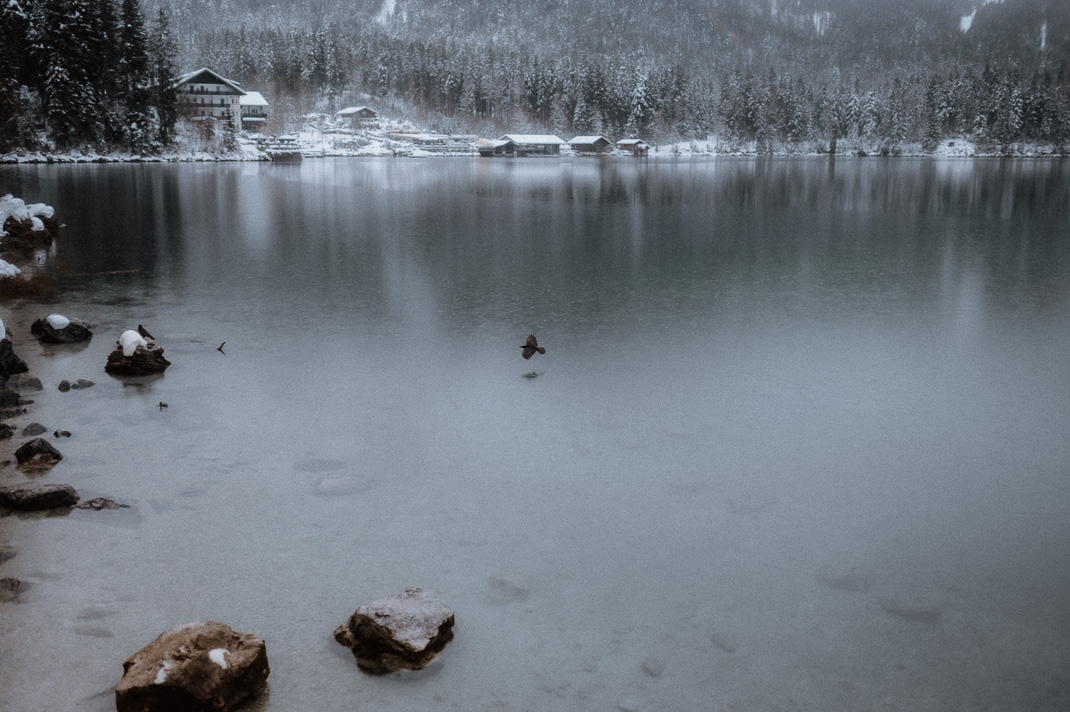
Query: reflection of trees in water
pixel 614 237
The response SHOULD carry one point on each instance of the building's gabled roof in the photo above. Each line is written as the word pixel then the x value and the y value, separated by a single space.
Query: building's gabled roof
pixel 253 98
pixel 532 138
pixel 631 142
pixel 590 139
pixel 210 77
pixel 354 110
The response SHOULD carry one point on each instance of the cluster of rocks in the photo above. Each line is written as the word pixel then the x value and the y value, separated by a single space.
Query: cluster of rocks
pixel 38 454
pixel 209 666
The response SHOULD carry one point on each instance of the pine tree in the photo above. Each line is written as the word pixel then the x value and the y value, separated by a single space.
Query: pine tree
pixel 134 77
pixel 59 34
pixel 13 27
pixel 641 109
pixel 162 76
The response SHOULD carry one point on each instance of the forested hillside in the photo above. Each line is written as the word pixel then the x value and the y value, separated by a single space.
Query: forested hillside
pixel 778 75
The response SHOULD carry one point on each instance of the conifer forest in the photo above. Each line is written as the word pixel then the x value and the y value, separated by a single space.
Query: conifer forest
pixel 779 76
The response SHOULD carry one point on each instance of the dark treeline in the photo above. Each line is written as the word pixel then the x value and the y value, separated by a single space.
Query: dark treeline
pixel 774 75
pixel 85 73
pixel 495 86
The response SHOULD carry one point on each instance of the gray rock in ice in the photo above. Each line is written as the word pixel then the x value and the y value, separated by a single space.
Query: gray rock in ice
pixel 37 453
pixel 197 667
pixel 29 498
pixel 653 667
pixel 33 429
pixel 10 363
pixel 917 609
pixel 56 329
pixel 502 591
pixel 405 631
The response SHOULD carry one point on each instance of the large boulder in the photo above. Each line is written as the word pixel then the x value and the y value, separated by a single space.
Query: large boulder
pixel 27 498
pixel 197 667
pixel 133 356
pixel 400 632
pixel 38 453
pixel 58 329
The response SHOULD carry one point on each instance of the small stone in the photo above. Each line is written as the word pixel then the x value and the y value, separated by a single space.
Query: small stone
pixel 653 667
pixel 724 642
pixel 28 498
pixel 503 591
pixel 6 431
pixel 34 429
pixel 62 434
pixel 24 383
pixel 38 453
pixel 917 610
pixel 99 503
pixel 405 631
pixel 82 383
pixel 851 580
pixel 64 385
pixel 9 589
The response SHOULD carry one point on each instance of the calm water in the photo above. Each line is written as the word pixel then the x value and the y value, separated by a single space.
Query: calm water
pixel 799 441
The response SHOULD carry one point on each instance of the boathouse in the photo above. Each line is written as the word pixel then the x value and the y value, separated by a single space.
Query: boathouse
pixel 634 146
pixel 591 145
pixel 535 144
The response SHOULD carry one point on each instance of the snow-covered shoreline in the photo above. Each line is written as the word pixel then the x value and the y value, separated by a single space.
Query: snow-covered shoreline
pixel 710 148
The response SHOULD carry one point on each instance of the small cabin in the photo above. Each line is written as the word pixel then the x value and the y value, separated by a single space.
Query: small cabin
pixel 492 149
pixel 535 144
pixel 634 146
pixel 591 145
pixel 359 116
pixel 253 111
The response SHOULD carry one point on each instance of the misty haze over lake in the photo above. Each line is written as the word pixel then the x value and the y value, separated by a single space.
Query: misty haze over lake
pixel 799 439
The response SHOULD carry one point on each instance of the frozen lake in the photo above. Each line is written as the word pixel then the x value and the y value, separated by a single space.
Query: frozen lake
pixel 799 440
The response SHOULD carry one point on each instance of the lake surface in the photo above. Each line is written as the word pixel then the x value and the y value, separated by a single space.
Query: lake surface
pixel 799 440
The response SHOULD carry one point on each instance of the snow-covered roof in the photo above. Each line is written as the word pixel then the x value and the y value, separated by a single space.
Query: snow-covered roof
pixel 631 142
pixel 353 110
pixel 532 138
pixel 253 98
pixel 589 139
pixel 221 79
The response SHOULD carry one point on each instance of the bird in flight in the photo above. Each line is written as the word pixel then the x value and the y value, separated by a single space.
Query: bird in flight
pixel 531 347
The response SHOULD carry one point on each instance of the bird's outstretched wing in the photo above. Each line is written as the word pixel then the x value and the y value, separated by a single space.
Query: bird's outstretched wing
pixel 531 346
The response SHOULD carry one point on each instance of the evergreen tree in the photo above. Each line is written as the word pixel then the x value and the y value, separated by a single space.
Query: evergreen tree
pixel 162 76
pixel 641 109
pixel 134 77
pixel 13 27
pixel 60 31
